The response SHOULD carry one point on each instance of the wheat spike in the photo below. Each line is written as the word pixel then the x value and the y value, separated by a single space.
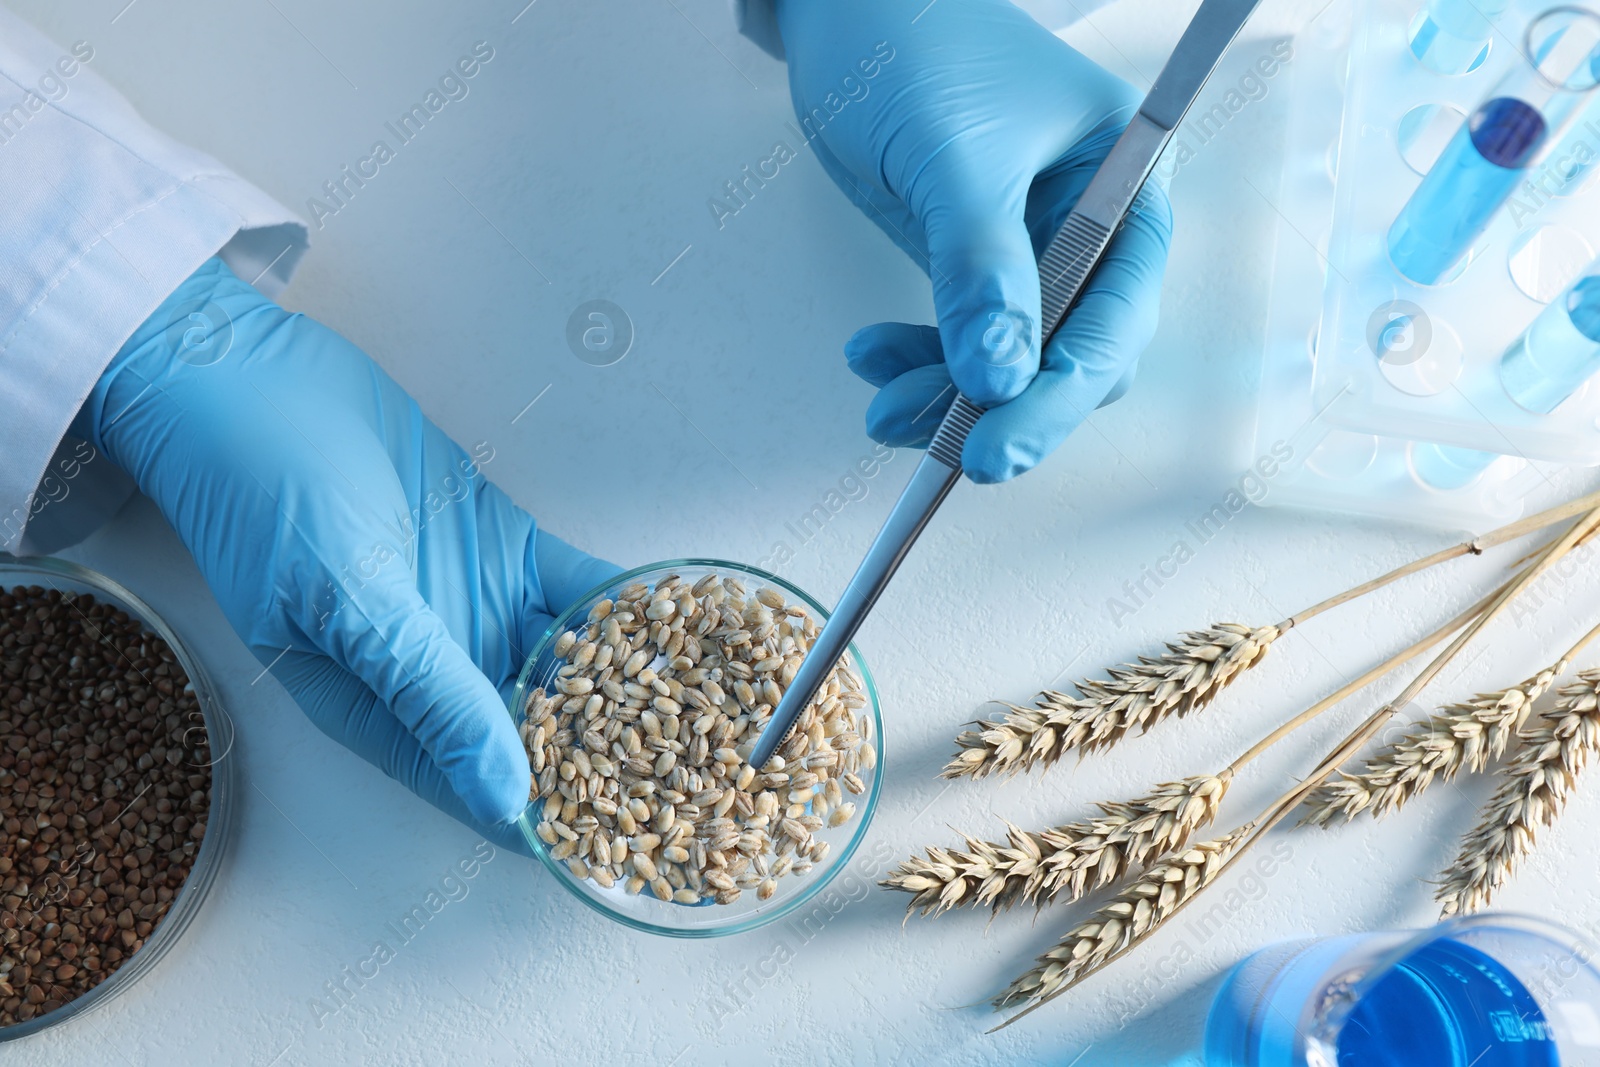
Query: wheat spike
pixel 1065 862
pixel 1534 788
pixel 1456 738
pixel 1192 671
pixel 1118 927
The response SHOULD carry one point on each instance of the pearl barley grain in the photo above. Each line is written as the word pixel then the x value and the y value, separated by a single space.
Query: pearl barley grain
pixel 695 675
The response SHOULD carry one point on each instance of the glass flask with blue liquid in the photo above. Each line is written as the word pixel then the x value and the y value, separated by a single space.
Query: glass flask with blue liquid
pixel 1552 360
pixel 1477 991
pixel 1490 154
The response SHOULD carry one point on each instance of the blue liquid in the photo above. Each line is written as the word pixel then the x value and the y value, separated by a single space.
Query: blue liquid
pixel 1448 467
pixel 1255 1019
pixel 1477 171
pixel 1558 353
pixel 1506 131
pixel 1583 307
pixel 1447 1005
pixel 1547 364
pixel 1452 36
pixel 1444 1005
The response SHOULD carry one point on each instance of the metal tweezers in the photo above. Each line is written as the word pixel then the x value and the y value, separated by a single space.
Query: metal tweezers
pixel 1065 266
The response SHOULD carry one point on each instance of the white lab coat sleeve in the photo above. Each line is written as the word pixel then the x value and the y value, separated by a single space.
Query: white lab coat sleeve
pixel 101 217
pixel 758 20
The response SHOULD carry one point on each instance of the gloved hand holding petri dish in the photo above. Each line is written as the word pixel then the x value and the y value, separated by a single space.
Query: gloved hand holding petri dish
pixel 362 556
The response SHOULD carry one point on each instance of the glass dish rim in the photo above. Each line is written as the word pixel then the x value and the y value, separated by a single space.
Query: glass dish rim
pixel 558 870
pixel 214 847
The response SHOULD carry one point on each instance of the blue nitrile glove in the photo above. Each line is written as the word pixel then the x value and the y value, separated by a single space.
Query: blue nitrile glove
pixel 332 519
pixel 967 132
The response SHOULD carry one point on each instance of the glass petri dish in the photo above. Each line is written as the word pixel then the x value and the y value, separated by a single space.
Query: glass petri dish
pixel 51 573
pixel 644 911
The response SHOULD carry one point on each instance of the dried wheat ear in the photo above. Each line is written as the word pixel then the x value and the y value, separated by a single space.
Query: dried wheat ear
pixel 1136 696
pixel 1144 844
pixel 1535 786
pixel 1061 864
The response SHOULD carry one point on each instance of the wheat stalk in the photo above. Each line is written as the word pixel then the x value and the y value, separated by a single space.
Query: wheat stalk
pixel 1192 671
pixel 1121 924
pixel 1188 676
pixel 1069 861
pixel 1455 738
pixel 1065 862
pixel 1536 784
pixel 1149 901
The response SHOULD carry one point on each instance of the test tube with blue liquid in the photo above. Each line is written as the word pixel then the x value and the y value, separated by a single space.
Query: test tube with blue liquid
pixel 1479 991
pixel 1491 153
pixel 1552 360
pixel 1453 36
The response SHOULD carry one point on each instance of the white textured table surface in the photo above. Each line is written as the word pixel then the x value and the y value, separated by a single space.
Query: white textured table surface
pixel 579 168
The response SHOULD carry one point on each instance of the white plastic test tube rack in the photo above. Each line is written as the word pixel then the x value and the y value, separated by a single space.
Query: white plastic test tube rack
pixel 1363 368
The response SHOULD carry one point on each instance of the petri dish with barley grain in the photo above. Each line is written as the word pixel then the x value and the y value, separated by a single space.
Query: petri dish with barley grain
pixel 638 707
